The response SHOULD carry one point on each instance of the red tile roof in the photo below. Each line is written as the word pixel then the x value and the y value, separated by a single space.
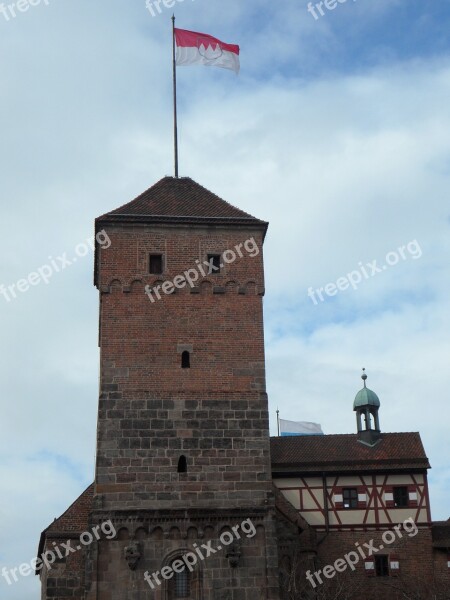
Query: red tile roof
pixel 76 517
pixel 180 199
pixel 73 522
pixel 395 451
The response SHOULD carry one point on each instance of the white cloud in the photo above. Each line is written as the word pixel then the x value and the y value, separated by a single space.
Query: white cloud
pixel 34 492
pixel 345 167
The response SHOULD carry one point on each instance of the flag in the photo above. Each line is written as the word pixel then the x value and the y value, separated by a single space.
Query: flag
pixel 299 428
pixel 202 49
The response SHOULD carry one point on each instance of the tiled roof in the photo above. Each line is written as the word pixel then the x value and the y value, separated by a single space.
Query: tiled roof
pixel 76 516
pixel 441 534
pixel 180 199
pixel 346 453
pixel 74 521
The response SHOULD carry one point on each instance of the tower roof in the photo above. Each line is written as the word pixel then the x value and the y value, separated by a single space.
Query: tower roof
pixel 365 397
pixel 180 200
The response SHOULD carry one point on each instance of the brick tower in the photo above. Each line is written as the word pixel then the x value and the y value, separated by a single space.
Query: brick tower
pixel 183 458
pixel 183 440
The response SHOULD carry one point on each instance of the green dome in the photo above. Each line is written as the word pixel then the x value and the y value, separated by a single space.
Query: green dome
pixel 366 397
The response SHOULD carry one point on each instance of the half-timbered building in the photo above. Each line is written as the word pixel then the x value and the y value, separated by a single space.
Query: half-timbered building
pixel 367 494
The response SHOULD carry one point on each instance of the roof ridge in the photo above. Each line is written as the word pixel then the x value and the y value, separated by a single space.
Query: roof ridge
pixel 329 435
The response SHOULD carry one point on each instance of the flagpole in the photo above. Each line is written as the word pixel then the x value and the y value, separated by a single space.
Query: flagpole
pixel 175 116
pixel 278 422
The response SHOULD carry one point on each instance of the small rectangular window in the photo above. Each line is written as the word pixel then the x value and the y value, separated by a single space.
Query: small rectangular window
pixel 381 565
pixel 401 496
pixel 350 497
pixel 185 360
pixel 156 264
pixel 214 261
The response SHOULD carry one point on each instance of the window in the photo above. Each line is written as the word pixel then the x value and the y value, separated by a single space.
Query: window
pixel 214 262
pixel 184 583
pixel 350 497
pixel 381 565
pixel 182 464
pixel 156 264
pixel 185 360
pixel 401 496
pixel 180 584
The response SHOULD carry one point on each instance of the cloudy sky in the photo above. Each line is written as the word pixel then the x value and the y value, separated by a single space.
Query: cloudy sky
pixel 336 131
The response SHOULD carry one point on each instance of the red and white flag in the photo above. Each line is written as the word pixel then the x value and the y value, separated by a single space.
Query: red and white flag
pixel 194 48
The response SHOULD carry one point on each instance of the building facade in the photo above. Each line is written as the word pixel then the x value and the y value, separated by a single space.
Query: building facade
pixel 191 498
pixel 366 496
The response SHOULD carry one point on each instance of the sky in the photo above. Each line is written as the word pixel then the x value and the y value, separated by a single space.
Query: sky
pixel 335 131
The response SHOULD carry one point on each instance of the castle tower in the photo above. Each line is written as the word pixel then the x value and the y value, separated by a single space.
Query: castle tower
pixel 366 406
pixel 183 431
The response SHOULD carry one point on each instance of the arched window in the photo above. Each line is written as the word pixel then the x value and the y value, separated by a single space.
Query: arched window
pixel 180 583
pixel 182 464
pixel 184 583
pixel 185 360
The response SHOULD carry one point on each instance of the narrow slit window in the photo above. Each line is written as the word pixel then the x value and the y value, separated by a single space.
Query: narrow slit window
pixel 185 360
pixel 156 264
pixel 214 261
pixel 381 565
pixel 182 464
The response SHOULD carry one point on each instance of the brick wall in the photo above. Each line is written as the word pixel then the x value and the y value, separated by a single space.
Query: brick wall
pixel 65 579
pixel 151 410
pixel 415 578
